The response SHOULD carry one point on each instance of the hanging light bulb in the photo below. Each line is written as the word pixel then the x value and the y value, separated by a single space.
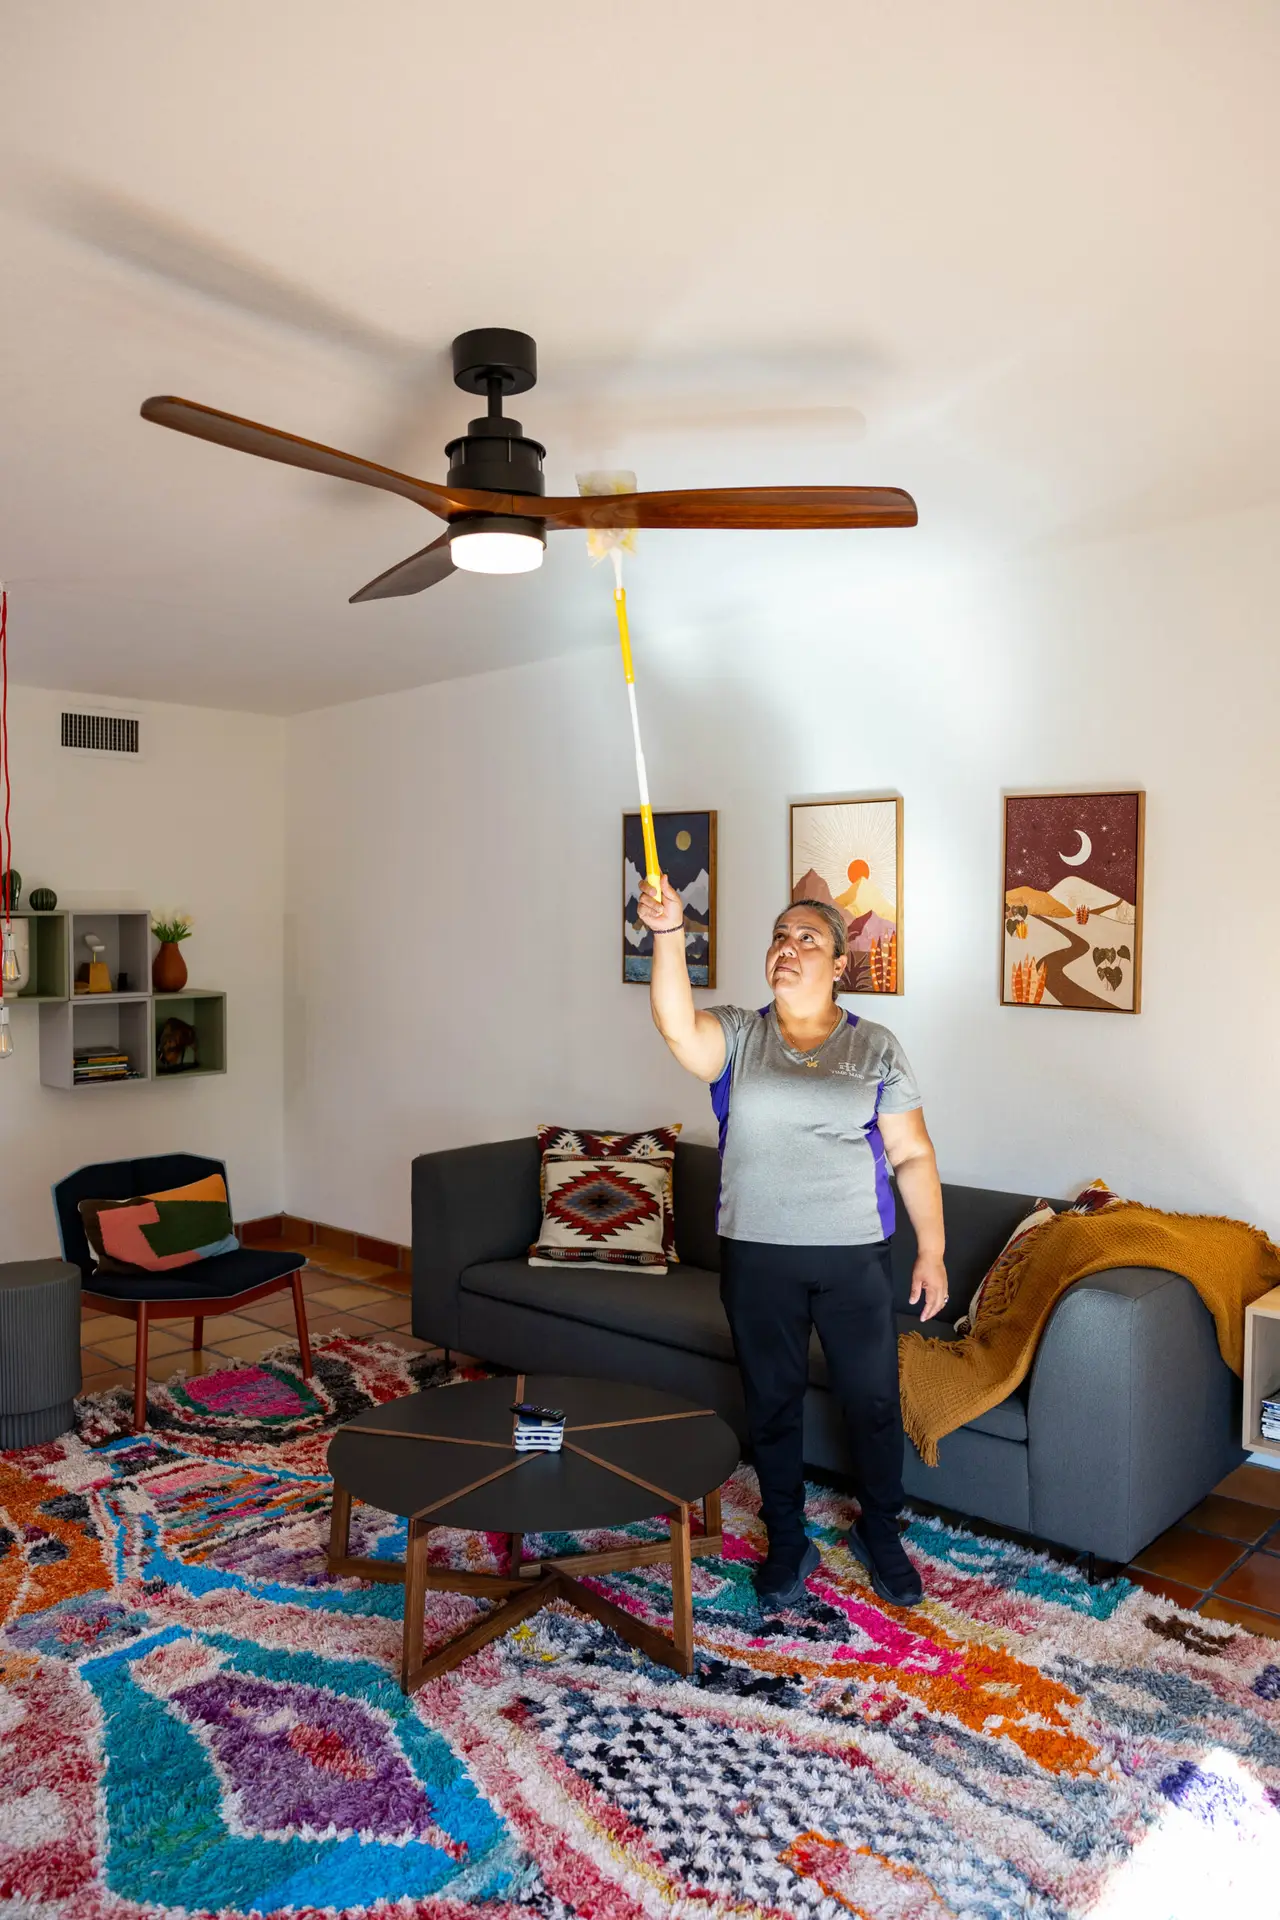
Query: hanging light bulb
pixel 6 1038
pixel 10 971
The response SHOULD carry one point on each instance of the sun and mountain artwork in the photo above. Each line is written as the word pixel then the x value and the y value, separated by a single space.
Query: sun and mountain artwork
pixel 1073 901
pixel 848 853
pixel 687 855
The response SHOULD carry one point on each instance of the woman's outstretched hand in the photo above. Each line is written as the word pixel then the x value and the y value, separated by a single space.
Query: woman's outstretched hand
pixel 664 918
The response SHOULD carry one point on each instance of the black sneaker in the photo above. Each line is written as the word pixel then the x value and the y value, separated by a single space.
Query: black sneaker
pixel 780 1582
pixel 893 1577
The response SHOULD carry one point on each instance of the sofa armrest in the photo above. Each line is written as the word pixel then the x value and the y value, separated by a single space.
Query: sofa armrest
pixel 1132 1413
pixel 469 1204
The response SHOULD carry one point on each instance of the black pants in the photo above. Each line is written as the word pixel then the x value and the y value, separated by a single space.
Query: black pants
pixel 773 1296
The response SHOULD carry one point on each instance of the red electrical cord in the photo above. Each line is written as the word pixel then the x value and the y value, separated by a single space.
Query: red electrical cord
pixel 6 841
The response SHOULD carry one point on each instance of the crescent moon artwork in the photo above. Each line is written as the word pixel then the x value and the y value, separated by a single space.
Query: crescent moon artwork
pixel 1072 905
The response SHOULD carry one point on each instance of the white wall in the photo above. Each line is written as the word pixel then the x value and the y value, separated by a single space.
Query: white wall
pixel 453 859
pixel 196 825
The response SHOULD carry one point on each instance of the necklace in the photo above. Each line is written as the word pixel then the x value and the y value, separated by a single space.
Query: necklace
pixel 809 1059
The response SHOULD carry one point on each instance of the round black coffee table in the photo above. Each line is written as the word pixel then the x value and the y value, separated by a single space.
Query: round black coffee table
pixel 444 1458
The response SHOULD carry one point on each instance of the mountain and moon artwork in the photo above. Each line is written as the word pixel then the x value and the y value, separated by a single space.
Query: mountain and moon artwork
pixel 1073 901
pixel 848 854
pixel 687 855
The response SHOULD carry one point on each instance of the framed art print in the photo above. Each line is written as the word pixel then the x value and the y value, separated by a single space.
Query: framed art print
pixel 848 854
pixel 687 853
pixel 1072 901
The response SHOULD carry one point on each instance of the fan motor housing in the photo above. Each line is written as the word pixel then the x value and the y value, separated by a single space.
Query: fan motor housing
pixel 494 454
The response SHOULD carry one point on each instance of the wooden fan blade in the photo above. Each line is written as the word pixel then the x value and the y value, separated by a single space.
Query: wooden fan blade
pixel 269 443
pixel 420 570
pixel 761 507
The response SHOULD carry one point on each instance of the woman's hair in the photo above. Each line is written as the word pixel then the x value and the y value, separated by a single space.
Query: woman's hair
pixel 834 921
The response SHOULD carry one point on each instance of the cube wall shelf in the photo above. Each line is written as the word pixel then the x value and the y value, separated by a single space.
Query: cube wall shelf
pixel 127 1020
pixel 206 1013
pixel 48 977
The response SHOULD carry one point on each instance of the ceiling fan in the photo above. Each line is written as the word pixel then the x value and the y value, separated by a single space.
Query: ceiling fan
pixel 498 516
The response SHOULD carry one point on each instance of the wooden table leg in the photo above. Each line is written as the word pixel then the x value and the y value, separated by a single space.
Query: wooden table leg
pixel 681 1590
pixel 515 1552
pixel 712 1519
pixel 197 1333
pixel 415 1602
pixel 339 1525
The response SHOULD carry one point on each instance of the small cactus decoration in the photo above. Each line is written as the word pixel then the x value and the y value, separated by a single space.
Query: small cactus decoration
pixel 43 899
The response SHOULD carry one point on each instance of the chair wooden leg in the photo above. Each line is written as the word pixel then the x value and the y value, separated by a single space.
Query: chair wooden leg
pixel 515 1552
pixel 140 1371
pixel 300 1312
pixel 197 1333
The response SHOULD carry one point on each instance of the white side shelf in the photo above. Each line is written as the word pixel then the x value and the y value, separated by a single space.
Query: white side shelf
pixel 1261 1367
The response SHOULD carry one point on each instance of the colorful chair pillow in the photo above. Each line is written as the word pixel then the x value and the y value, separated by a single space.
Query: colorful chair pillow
pixel 156 1232
pixel 651 1144
pixel 600 1212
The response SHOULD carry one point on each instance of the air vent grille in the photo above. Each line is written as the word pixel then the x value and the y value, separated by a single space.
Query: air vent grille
pixel 100 733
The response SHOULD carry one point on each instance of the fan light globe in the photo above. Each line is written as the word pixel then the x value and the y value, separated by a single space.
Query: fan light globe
pixel 496 552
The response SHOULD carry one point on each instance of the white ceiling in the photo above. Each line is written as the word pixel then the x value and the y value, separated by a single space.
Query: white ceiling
pixel 1033 247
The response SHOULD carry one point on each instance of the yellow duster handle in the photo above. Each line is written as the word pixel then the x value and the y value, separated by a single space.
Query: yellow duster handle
pixel 653 873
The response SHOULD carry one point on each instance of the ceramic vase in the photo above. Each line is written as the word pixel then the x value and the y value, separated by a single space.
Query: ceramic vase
pixel 169 969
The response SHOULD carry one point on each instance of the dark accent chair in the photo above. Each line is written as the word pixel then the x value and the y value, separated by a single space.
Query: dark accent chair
pixel 225 1282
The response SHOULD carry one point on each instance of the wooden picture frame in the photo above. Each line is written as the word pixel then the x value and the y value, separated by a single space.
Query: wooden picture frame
pixel 1100 881
pixel 691 868
pixel 848 854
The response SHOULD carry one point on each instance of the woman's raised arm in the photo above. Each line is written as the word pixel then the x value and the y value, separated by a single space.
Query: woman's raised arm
pixel 694 1036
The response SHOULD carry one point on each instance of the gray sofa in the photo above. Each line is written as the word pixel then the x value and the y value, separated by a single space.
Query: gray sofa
pixel 1128 1417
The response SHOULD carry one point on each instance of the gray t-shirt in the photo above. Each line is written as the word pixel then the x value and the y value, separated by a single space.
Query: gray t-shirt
pixel 802 1161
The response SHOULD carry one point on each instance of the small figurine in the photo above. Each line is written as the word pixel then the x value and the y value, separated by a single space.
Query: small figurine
pixel 172 1042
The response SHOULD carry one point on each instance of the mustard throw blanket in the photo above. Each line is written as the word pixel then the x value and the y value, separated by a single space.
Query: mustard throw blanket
pixel 946 1383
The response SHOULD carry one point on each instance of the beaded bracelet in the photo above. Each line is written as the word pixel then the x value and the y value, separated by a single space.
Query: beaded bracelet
pixel 667 929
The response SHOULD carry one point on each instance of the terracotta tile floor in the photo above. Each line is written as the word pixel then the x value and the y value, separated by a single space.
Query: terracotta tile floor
pixel 1221 1559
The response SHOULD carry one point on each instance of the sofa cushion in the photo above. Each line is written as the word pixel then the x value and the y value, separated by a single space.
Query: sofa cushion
pixel 679 1309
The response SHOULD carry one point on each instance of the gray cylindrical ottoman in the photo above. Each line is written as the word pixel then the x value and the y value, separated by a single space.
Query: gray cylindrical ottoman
pixel 39 1350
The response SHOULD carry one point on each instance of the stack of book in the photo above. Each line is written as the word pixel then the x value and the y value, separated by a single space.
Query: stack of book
pixel 537 1429
pixel 1271 1416
pixel 101 1063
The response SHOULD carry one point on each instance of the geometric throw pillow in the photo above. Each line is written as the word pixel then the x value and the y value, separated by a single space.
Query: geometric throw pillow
pixel 1097 1197
pixel 157 1232
pixel 619 1146
pixel 1037 1217
pixel 603 1212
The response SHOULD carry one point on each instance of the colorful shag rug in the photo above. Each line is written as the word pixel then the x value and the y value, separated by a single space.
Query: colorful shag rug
pixel 195 1720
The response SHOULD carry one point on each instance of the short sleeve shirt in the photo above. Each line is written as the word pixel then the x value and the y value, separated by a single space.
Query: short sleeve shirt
pixel 802 1160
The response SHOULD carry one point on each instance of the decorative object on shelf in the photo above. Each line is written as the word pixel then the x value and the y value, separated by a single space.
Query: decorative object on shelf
pixel 16 972
pixel 848 854
pixel 173 1042
pixel 687 855
pixel 169 969
pixel 11 888
pixel 99 974
pixel 1072 901
pixel 43 900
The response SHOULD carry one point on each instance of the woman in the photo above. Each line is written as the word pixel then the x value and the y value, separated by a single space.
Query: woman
pixel 812 1102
